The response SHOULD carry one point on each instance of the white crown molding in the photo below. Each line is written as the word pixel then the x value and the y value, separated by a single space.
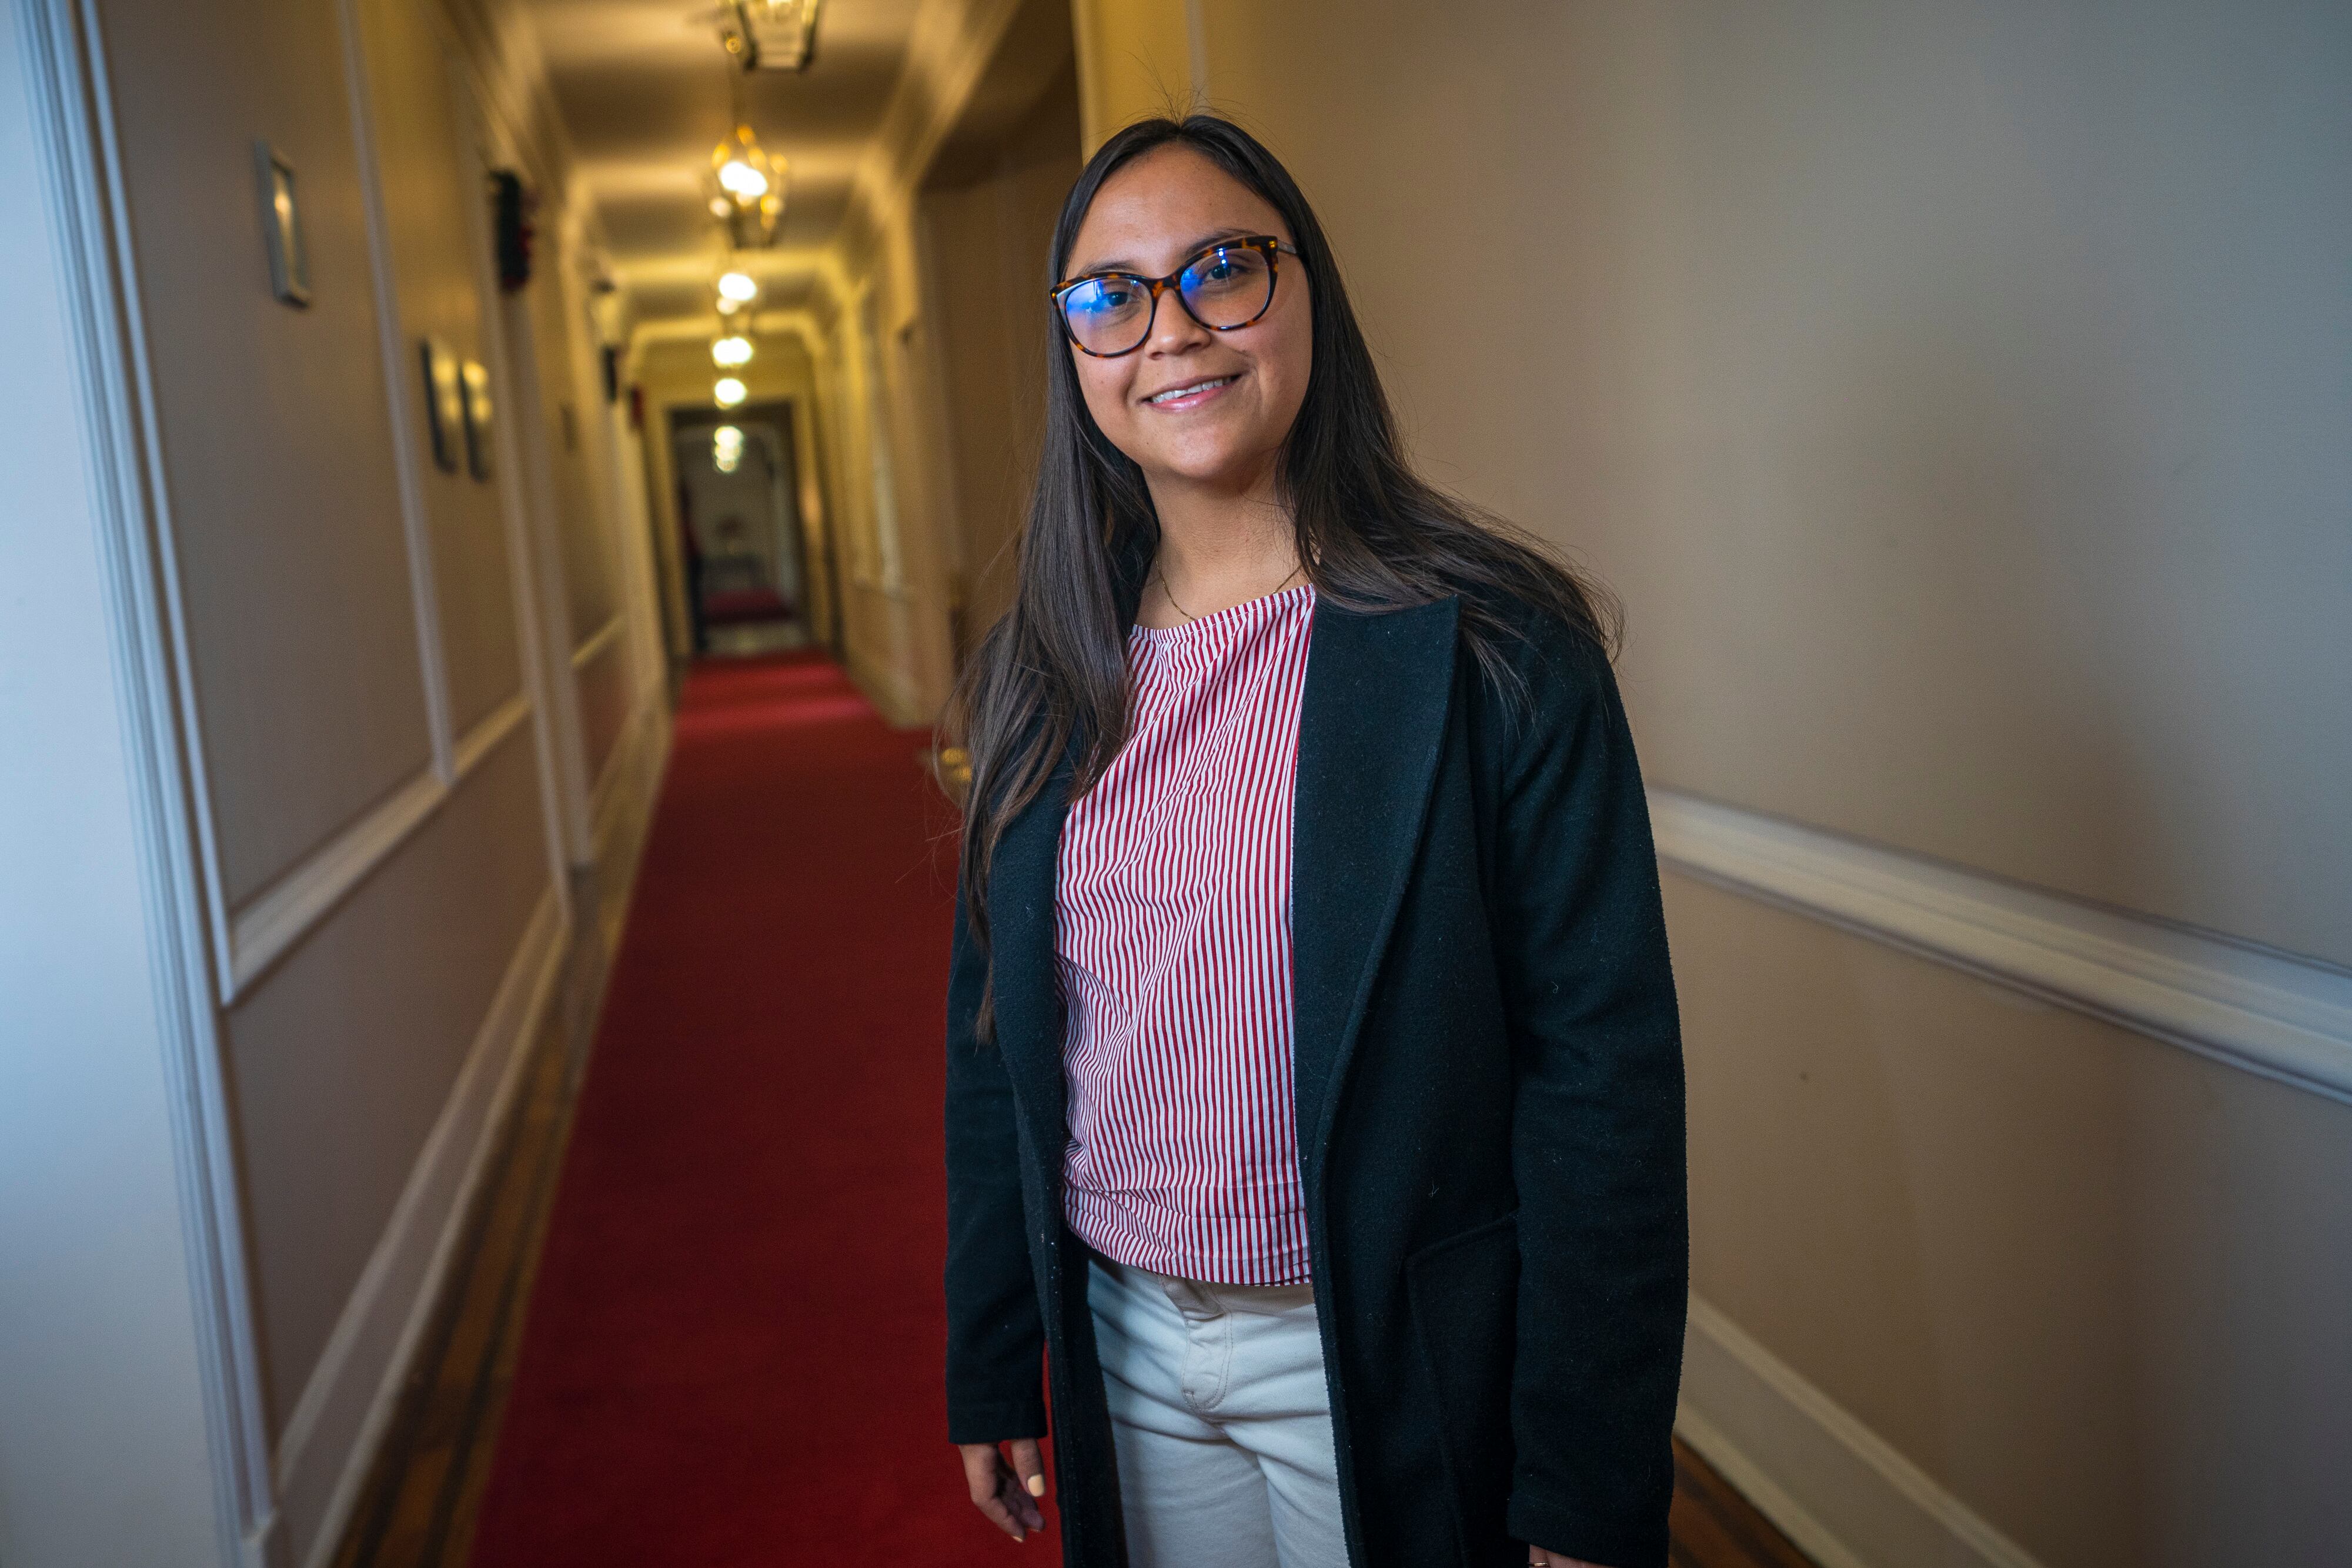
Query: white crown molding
pixel 338 1422
pixel 2283 1017
pixel 1840 1492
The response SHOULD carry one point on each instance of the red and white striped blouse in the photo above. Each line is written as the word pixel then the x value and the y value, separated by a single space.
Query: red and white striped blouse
pixel 1173 935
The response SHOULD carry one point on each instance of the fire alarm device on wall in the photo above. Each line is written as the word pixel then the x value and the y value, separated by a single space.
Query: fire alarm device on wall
pixel 511 205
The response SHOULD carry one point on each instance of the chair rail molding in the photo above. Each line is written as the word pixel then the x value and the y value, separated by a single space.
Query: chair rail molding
pixel 254 936
pixel 2275 1014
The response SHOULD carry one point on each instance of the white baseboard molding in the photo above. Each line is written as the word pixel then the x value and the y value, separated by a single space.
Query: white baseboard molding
pixel 893 695
pixel 2276 1014
pixel 332 1437
pixel 632 776
pixel 1836 1488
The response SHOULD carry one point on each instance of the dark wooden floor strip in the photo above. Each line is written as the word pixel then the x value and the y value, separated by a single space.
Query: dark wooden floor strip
pixel 1714 1527
pixel 416 1511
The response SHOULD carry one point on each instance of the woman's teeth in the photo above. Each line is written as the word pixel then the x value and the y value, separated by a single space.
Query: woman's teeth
pixel 1173 393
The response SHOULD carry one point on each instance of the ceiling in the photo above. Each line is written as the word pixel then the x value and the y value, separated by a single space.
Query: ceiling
pixel 642 85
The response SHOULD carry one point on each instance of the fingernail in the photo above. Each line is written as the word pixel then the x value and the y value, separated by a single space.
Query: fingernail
pixel 1036 1486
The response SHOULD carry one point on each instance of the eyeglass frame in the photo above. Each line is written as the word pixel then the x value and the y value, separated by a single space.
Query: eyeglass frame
pixel 1275 250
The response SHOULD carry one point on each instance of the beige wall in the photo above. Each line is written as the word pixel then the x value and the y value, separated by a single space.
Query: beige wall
pixel 276 438
pixel 376 761
pixel 986 238
pixel 2093 1285
pixel 896 337
pixel 1140 57
pixel 430 233
pixel 590 502
pixel 1956 397
pixel 887 446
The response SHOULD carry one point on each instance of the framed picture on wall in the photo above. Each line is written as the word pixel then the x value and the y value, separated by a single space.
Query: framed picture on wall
pixel 478 419
pixel 445 402
pixel 281 226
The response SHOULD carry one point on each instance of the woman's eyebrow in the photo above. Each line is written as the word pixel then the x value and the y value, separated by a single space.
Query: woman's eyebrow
pixel 1121 264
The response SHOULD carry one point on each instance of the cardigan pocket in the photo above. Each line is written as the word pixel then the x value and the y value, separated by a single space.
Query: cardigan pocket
pixel 1464 1291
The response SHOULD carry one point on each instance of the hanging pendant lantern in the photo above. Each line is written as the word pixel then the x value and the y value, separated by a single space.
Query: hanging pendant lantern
pixel 746 189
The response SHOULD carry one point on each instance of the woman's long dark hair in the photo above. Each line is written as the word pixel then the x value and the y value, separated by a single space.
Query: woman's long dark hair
pixel 1373 534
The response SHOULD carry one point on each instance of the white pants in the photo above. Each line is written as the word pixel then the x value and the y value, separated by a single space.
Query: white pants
pixel 1221 1420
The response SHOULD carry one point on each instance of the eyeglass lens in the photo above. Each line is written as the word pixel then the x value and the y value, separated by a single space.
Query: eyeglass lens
pixel 1224 289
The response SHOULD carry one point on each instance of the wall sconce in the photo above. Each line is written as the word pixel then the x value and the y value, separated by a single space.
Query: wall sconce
pixel 445 402
pixel 477 381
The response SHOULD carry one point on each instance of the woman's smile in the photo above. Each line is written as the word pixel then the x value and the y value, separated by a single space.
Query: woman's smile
pixel 1191 394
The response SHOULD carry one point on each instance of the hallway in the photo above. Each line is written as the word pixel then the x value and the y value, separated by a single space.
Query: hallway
pixel 502 491
pixel 733 1339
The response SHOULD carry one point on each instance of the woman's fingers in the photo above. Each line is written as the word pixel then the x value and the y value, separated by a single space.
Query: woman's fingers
pixel 1029 1469
pixel 991 1483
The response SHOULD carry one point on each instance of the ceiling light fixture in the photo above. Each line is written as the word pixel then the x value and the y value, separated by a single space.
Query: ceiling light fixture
pixel 728 391
pixel 746 189
pixel 738 286
pixel 735 349
pixel 770 35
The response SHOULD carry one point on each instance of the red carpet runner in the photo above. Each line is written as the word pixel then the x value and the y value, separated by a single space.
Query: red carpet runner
pixel 733 1350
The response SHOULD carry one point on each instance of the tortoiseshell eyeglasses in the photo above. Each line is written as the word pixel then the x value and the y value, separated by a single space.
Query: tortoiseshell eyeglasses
pixel 1224 288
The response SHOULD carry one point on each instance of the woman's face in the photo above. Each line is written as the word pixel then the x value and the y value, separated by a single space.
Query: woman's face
pixel 1237 392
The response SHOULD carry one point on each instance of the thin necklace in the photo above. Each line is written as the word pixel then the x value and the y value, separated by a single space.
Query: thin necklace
pixel 1160 578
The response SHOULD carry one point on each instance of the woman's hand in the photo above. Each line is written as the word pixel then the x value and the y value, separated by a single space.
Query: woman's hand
pixel 1008 1492
pixel 1539 1558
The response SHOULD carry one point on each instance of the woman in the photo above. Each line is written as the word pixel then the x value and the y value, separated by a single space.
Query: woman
pixel 1314 1089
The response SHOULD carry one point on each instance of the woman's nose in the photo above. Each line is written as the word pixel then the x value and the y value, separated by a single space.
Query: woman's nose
pixel 1173 330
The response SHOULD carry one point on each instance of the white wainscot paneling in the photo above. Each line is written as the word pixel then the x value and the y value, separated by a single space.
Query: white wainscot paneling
pixel 2276 1014
pixel 331 1437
